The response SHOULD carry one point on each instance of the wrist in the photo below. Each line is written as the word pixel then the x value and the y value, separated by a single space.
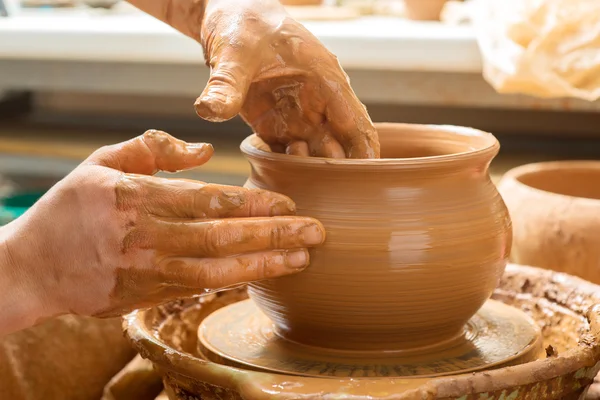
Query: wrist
pixel 183 15
pixel 191 21
pixel 20 306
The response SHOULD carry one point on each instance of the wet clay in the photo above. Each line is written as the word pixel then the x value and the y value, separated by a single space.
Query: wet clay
pixel 241 336
pixel 199 236
pixel 424 10
pixel 564 307
pixel 128 240
pixel 65 357
pixel 416 240
pixel 556 212
pixel 275 74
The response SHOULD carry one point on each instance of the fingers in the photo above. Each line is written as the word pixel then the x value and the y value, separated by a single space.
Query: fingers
pixel 215 273
pixel 176 198
pixel 298 148
pixel 300 137
pixel 225 92
pixel 350 123
pixel 152 152
pixel 225 237
pixel 322 144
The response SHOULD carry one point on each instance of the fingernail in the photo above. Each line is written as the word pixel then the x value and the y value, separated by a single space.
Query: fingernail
pixel 313 234
pixel 297 259
pixel 202 150
pixel 210 109
pixel 283 207
pixel 199 146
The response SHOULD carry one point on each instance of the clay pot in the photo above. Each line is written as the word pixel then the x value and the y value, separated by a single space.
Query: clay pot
pixel 555 207
pixel 416 241
pixel 301 2
pixel 563 305
pixel 424 10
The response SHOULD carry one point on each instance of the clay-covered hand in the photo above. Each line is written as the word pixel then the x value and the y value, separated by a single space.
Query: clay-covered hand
pixel 111 238
pixel 282 81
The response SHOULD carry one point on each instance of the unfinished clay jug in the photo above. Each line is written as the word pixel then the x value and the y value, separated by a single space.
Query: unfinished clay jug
pixel 416 241
pixel 424 10
pixel 555 207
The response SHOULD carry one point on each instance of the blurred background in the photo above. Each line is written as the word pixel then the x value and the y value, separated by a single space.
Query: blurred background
pixel 78 74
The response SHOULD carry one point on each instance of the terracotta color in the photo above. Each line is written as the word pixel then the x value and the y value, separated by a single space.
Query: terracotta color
pixel 274 73
pixel 499 335
pixel 415 245
pixel 301 2
pixel 564 306
pixel 159 239
pixel 138 380
pixel 555 207
pixel 66 357
pixel 424 10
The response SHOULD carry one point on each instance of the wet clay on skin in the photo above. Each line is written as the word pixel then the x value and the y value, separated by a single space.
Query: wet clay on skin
pixel 142 240
pixel 416 241
pixel 278 76
pixel 200 236
pixel 563 307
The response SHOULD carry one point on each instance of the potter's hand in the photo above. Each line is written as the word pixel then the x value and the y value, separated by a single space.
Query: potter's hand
pixel 272 71
pixel 284 83
pixel 110 238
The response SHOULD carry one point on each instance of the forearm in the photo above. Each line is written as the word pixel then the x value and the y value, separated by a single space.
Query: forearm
pixel 183 15
pixel 187 15
pixel 19 308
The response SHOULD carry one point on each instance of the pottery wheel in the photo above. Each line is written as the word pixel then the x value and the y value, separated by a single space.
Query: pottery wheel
pixel 241 335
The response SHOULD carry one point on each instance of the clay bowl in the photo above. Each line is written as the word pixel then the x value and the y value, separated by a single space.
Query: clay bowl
pixel 565 308
pixel 416 241
pixel 555 208
pixel 301 2
pixel 424 10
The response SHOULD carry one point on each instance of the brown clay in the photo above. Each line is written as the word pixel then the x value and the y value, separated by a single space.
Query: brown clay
pixel 275 74
pixel 555 208
pixel 110 238
pixel 424 10
pixel 65 357
pixel 416 241
pixel 241 336
pixel 563 306
pixel 301 2
pixel 138 380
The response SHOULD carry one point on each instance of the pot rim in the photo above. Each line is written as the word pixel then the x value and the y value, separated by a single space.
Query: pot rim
pixel 490 149
pixel 585 355
pixel 515 173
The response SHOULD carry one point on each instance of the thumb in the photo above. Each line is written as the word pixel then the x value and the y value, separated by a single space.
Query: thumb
pixel 225 92
pixel 152 152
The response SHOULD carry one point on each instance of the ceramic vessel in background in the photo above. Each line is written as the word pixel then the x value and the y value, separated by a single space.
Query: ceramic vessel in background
pixel 555 208
pixel 416 240
pixel 301 2
pixel 424 10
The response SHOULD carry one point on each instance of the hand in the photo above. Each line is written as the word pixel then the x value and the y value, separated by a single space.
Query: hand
pixel 110 238
pixel 282 81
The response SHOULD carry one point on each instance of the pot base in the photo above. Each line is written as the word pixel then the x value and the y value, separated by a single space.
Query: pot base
pixel 240 335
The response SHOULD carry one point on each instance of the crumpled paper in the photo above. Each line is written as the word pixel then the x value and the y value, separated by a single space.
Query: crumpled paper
pixel 543 48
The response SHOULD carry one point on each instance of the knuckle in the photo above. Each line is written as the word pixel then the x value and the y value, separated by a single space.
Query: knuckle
pixel 261 268
pixel 156 140
pixel 213 239
pixel 222 200
pixel 279 235
pixel 205 277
